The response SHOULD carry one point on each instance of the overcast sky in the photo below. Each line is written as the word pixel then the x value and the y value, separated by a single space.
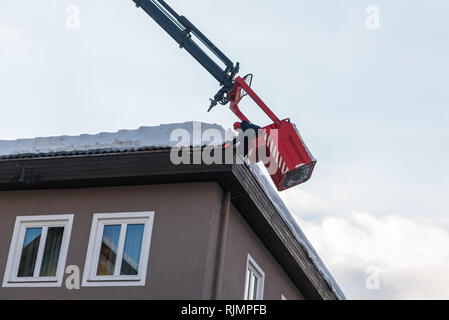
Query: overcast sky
pixel 371 103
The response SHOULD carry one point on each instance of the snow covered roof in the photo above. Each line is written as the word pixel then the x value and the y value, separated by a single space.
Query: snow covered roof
pixel 160 137
pixel 157 137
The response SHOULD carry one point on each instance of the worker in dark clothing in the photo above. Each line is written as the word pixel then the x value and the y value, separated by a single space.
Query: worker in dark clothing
pixel 244 126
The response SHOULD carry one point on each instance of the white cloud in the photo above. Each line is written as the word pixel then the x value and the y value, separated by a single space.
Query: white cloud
pixel 410 254
pixel 356 226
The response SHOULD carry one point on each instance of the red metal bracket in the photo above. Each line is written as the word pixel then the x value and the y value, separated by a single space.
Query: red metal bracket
pixel 236 96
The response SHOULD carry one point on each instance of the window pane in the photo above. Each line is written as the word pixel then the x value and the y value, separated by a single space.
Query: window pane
pixel 248 276
pixel 51 252
pixel 253 287
pixel 133 246
pixel 108 251
pixel 251 294
pixel 29 252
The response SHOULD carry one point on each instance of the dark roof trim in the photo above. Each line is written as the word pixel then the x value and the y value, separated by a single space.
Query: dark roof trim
pixel 154 167
pixel 76 153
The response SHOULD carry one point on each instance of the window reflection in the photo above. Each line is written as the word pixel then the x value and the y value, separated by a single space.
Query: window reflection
pixel 50 259
pixel 251 285
pixel 29 252
pixel 108 251
pixel 133 246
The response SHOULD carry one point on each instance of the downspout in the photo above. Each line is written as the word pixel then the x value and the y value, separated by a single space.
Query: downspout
pixel 221 245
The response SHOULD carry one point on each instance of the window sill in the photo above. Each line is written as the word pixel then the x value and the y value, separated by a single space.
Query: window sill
pixel 32 284
pixel 114 283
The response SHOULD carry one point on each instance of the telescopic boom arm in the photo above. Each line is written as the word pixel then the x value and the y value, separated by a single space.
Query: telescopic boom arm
pixel 182 30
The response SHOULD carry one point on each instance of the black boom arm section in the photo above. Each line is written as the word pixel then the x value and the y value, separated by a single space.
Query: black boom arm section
pixel 184 33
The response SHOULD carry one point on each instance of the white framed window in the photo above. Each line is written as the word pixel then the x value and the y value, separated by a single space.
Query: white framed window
pixel 254 281
pixel 38 251
pixel 118 251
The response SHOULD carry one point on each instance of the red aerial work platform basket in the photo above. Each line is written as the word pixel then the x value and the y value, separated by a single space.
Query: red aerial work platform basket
pixel 282 142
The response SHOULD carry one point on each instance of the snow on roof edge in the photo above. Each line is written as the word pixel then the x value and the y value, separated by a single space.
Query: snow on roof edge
pixel 144 137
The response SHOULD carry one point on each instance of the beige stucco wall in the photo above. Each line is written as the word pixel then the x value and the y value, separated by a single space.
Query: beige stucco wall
pixel 241 241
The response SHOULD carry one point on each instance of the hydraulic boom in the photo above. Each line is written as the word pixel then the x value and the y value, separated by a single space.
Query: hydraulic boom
pixel 184 33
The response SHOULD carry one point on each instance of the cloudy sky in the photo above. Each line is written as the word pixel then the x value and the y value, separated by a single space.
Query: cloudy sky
pixel 372 104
